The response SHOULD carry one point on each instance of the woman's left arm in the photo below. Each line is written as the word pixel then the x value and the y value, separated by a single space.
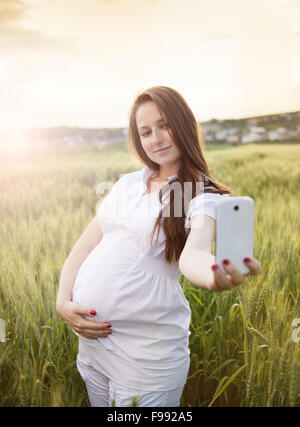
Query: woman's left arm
pixel 196 260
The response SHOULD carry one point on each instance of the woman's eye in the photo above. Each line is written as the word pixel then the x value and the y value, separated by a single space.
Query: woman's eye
pixel 163 126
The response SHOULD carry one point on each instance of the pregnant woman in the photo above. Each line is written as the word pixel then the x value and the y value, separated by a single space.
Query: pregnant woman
pixel 119 288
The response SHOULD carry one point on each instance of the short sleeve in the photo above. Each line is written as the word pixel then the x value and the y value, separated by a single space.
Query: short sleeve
pixel 203 204
pixel 107 207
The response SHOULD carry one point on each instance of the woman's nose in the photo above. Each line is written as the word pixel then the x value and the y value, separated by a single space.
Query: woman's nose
pixel 156 135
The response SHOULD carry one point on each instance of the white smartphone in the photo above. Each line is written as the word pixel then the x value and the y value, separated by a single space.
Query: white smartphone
pixel 234 231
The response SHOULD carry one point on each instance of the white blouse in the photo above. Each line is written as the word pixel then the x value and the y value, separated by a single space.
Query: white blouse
pixel 128 283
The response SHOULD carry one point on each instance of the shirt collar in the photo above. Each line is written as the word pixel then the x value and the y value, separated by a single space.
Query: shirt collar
pixel 148 172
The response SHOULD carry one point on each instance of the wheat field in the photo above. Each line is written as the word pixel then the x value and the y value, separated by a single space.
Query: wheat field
pixel 242 348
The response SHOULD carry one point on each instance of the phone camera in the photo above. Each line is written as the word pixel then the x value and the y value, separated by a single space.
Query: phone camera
pixel 236 208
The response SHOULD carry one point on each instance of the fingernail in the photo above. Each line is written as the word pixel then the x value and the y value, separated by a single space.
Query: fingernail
pixel 214 266
pixel 247 259
pixel 93 312
pixel 226 261
pixel 109 325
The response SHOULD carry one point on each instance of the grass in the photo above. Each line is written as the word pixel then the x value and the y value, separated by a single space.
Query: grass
pixel 242 353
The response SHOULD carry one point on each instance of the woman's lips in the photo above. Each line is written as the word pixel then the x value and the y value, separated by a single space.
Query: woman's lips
pixel 162 150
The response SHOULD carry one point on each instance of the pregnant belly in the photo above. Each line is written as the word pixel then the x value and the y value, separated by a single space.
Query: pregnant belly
pixel 96 284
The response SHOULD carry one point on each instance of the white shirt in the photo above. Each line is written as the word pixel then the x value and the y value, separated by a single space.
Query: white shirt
pixel 129 284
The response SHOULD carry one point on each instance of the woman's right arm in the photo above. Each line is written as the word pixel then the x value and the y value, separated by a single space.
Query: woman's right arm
pixel 91 236
pixel 72 312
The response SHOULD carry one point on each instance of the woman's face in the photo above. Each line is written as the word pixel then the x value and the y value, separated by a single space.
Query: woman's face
pixel 154 135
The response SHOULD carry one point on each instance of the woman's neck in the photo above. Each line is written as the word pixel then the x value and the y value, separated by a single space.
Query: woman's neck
pixel 164 173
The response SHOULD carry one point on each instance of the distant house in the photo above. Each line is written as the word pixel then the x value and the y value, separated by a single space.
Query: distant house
pixel 253 122
pixel 292 134
pixel 221 135
pixel 282 133
pixel 251 137
pixel 295 127
pixel 68 140
pixel 209 137
pixel 213 127
pixel 232 131
pixel 233 139
pixel 94 140
pixel 272 135
pixel 258 129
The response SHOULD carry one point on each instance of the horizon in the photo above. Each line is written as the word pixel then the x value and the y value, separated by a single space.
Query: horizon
pixel 125 127
pixel 82 65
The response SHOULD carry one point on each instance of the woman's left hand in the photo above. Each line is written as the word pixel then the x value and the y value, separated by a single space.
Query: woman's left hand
pixel 233 278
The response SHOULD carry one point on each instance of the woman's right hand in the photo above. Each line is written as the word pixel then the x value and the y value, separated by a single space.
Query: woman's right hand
pixel 73 314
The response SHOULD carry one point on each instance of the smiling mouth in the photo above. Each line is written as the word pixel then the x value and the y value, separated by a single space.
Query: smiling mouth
pixel 163 149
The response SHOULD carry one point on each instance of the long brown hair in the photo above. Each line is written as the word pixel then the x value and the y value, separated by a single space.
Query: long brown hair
pixel 187 135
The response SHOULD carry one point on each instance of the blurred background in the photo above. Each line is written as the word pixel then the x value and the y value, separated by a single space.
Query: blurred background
pixel 70 69
pixel 69 73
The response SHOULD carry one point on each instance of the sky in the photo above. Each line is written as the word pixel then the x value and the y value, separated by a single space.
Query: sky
pixel 82 62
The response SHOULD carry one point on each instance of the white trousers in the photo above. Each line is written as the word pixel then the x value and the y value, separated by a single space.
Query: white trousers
pixel 103 391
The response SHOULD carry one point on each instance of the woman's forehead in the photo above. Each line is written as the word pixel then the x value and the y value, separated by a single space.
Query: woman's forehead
pixel 148 114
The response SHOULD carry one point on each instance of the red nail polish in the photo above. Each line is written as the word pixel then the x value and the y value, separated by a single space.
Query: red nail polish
pixel 247 259
pixel 214 266
pixel 93 312
pixel 226 261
